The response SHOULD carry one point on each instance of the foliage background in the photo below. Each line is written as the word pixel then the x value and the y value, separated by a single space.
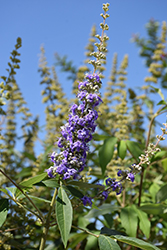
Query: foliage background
pixel 64 27
pixel 27 162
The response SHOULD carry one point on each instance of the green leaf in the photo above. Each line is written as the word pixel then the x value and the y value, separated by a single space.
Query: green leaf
pixel 106 152
pixel 159 156
pixel 12 190
pixel 109 232
pixel 82 222
pixel 75 192
pixel 161 194
pixel 164 108
pixel 109 219
pixel 97 137
pixel 25 172
pixel 162 102
pixel 135 242
pixel 91 242
pixel 144 223
pixel 51 183
pixel 38 199
pixel 107 243
pixel 129 220
pixel 134 149
pixel 4 207
pixel 64 215
pixel 164 164
pixel 31 181
pixel 76 238
pixel 29 156
pixel 4 191
pixel 155 209
pixel 51 246
pixel 104 209
pixel 85 185
pixel 122 149
pixel 158 91
pixel 153 189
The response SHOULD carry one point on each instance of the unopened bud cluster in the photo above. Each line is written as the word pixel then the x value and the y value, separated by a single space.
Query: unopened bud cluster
pixel 101 49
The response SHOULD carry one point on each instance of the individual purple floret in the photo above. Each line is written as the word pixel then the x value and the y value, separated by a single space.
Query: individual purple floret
pixel 105 194
pixel 119 173
pixel 115 185
pixel 86 201
pixel 77 132
pixel 131 177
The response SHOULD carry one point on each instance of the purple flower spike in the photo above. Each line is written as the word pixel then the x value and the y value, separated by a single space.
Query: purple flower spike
pixel 77 132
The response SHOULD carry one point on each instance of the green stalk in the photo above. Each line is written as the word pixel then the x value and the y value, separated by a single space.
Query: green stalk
pixel 47 224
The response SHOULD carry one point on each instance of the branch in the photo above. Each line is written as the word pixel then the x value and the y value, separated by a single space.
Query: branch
pixel 40 214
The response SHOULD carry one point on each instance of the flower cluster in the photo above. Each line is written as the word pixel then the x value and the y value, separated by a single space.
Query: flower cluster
pixel 125 175
pixel 77 132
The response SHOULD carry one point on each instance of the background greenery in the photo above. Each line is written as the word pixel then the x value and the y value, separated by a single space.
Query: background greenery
pixel 127 114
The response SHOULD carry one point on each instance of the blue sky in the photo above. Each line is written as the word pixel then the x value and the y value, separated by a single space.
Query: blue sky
pixel 64 26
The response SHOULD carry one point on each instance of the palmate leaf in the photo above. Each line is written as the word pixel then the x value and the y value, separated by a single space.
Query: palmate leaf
pixel 107 243
pixel 135 242
pixel 64 215
pixel 4 207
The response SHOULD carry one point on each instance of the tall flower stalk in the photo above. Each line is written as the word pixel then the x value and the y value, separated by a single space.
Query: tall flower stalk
pixel 77 132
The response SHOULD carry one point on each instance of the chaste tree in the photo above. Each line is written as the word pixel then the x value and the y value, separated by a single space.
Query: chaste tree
pixel 100 180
